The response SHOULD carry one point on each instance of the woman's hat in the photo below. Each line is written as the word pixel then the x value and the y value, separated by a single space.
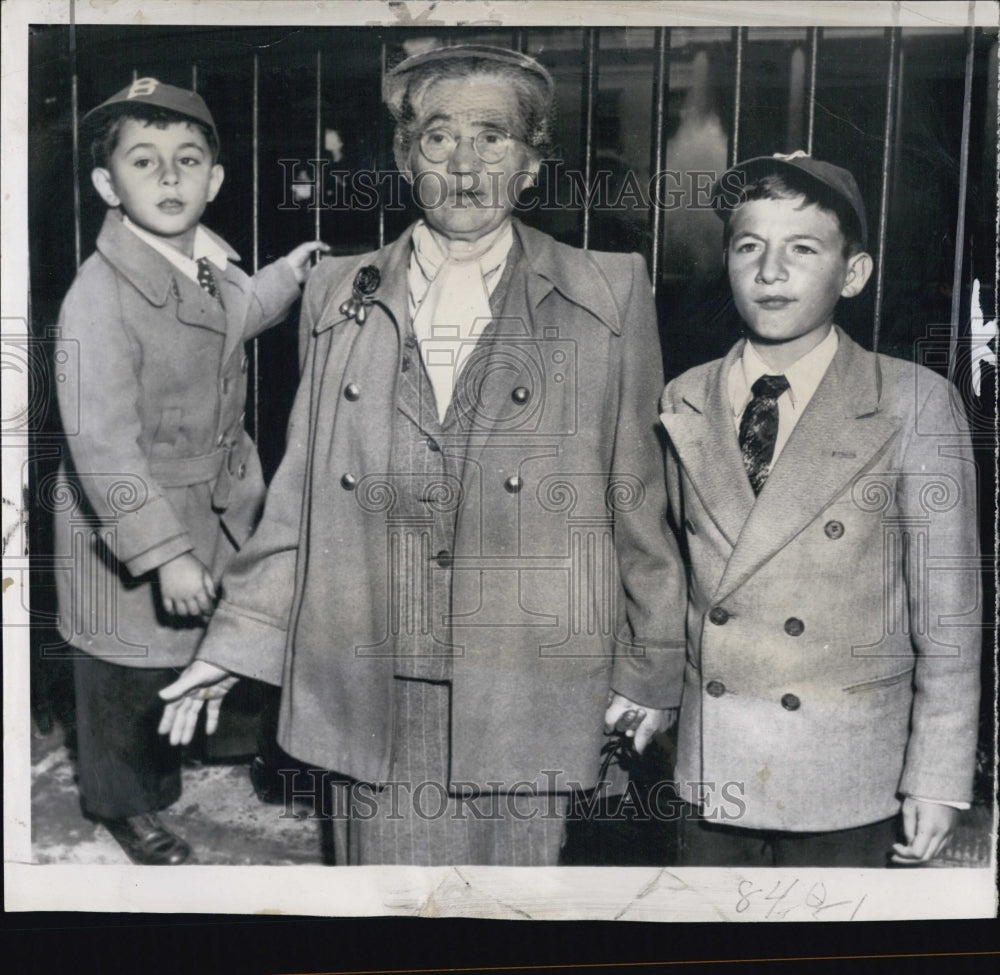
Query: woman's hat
pixel 397 78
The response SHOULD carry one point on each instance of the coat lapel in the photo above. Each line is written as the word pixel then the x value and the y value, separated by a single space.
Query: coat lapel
pixel 704 436
pixel 839 434
pixel 486 405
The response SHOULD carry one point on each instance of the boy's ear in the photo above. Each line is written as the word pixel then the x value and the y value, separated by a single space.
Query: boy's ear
pixel 215 181
pixel 859 270
pixel 105 186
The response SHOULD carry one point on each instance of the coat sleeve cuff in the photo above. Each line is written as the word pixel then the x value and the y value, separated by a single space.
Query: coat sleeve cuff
pixel 244 642
pixel 652 676
pixel 159 555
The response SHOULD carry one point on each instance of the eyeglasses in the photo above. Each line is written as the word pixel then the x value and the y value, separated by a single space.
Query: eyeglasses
pixel 491 145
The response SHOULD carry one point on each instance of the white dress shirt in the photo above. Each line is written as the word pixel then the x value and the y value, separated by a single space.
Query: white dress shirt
pixel 804 376
pixel 203 246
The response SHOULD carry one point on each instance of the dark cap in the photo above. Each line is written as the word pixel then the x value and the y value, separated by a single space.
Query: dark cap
pixel 727 196
pixel 397 79
pixel 149 91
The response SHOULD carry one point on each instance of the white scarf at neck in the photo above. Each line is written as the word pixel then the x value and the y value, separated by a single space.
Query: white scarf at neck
pixel 450 282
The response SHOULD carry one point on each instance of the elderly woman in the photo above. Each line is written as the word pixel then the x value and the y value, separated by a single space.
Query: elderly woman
pixel 464 561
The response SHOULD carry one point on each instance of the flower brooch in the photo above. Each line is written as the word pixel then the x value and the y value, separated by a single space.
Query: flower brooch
pixel 366 283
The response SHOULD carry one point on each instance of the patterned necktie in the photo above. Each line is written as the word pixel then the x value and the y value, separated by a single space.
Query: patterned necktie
pixel 759 428
pixel 206 278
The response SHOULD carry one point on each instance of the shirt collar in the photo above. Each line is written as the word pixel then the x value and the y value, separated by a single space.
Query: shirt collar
pixel 203 246
pixel 803 375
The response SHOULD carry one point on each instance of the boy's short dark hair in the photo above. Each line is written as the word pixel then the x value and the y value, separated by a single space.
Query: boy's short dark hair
pixel 106 127
pixel 787 184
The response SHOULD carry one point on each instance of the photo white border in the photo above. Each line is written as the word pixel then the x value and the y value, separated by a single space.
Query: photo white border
pixel 645 894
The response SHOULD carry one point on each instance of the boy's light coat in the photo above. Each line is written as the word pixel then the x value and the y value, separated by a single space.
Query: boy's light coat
pixel 158 459
pixel 885 670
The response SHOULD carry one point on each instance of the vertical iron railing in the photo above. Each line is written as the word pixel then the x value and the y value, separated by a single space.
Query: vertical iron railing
pixel 813 57
pixel 739 36
pixel 591 46
pixel 658 147
pixel 963 185
pixel 891 107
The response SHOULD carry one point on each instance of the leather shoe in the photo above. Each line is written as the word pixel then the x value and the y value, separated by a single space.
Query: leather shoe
pixel 147 841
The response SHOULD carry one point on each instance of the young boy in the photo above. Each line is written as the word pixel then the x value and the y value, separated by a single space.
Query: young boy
pixel 832 677
pixel 161 483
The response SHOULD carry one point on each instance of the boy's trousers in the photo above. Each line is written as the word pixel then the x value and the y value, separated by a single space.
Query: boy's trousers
pixel 708 844
pixel 125 767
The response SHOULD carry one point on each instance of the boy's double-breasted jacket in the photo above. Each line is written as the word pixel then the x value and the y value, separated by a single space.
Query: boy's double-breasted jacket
pixel 154 381
pixel 561 575
pixel 834 621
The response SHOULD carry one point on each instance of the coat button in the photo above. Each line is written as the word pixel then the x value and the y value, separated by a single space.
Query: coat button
pixel 432 444
pixel 790 702
pixel 715 688
pixel 513 484
pixel 348 482
pixel 718 616
pixel 521 394
pixel 834 529
pixel 794 626
pixel 241 471
pixel 351 392
pixel 443 559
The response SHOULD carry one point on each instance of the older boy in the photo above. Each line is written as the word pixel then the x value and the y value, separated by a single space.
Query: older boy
pixel 831 679
pixel 161 481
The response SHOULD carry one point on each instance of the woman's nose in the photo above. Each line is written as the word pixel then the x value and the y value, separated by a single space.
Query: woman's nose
pixel 463 158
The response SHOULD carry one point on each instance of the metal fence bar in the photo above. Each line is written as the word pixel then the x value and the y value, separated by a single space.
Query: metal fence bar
pixel 74 98
pixel 891 97
pixel 591 45
pixel 658 146
pixel 380 149
pixel 317 191
pixel 740 34
pixel 963 186
pixel 813 57
pixel 194 77
pixel 255 233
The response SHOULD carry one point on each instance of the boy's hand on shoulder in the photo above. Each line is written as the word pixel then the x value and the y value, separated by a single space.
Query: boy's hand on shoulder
pixel 186 587
pixel 635 721
pixel 301 257
pixel 927 827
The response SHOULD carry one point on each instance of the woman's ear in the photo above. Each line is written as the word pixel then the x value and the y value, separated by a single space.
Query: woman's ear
pixel 105 186
pixel 859 270
pixel 402 159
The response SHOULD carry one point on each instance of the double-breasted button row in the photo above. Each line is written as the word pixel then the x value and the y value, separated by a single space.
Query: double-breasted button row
pixel 834 529
pixel 715 688
pixel 794 626
pixel 520 395
pixel 444 559
pixel 718 616
pixel 513 484
pixel 352 393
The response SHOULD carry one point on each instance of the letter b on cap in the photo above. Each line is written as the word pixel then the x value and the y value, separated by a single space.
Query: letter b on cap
pixel 142 87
